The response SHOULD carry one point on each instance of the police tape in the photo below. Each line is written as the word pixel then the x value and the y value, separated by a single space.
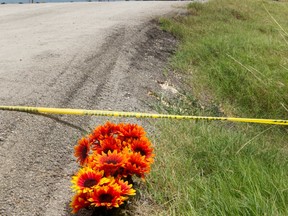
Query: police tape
pixel 64 111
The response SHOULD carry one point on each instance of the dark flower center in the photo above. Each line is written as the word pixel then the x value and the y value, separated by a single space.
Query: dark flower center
pixel 105 198
pixel 140 150
pixel 106 150
pixel 90 183
pixel 84 152
pixel 111 161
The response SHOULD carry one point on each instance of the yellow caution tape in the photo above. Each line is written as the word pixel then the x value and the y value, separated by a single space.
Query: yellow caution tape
pixel 63 111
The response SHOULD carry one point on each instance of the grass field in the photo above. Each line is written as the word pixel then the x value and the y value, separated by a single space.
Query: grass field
pixel 234 57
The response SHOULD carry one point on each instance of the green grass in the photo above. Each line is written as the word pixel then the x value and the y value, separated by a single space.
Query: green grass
pixel 235 50
pixel 213 169
pixel 233 55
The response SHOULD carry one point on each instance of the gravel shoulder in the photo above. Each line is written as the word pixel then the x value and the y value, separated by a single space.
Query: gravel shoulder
pixel 78 55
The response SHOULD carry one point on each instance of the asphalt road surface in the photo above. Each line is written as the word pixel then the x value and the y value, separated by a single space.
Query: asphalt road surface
pixel 77 55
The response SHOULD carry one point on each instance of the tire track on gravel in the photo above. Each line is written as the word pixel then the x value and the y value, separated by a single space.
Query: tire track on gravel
pixel 45 166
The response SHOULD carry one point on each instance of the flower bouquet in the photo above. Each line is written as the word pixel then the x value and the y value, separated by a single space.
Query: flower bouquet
pixel 109 157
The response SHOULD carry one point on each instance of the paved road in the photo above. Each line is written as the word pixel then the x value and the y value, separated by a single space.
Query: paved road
pixel 80 55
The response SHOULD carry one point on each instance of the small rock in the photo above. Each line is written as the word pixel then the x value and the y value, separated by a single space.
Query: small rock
pixel 127 95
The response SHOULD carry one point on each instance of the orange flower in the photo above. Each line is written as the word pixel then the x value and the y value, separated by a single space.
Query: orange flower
pixel 87 179
pixel 112 163
pixel 79 201
pixel 143 146
pixel 126 189
pixel 108 196
pixel 137 165
pixel 94 141
pixel 81 151
pixel 102 132
pixel 109 144
pixel 131 131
